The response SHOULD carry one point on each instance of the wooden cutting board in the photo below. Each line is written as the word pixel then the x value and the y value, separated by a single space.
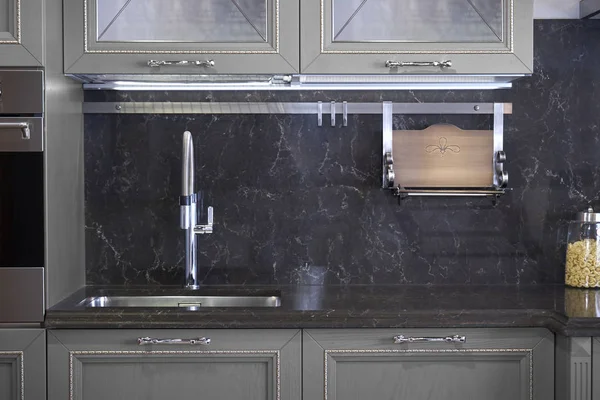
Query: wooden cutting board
pixel 443 156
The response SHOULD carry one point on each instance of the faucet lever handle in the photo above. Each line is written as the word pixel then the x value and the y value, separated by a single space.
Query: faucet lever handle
pixel 210 216
pixel 208 228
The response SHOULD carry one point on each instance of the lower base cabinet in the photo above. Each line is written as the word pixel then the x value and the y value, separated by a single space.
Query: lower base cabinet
pixel 432 364
pixel 22 364
pixel 336 364
pixel 236 364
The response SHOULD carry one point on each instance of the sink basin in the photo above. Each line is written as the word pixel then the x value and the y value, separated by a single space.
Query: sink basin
pixel 188 302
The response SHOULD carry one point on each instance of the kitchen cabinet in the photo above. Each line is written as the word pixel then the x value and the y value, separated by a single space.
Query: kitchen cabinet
pixel 239 36
pixel 360 37
pixel 594 372
pixel 21 33
pixel 492 364
pixel 22 364
pixel 237 364
pixel 573 372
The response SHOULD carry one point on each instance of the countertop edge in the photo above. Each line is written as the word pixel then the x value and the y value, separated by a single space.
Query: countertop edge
pixel 127 319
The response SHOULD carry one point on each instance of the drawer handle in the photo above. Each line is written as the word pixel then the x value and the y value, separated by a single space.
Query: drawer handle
pixel 184 63
pixel 448 339
pixel 23 126
pixel 397 64
pixel 203 341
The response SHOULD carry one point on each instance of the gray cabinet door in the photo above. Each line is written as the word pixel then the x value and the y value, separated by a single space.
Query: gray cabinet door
pixel 22 364
pixel 237 364
pixel 363 364
pixel 240 36
pixel 21 33
pixel 360 36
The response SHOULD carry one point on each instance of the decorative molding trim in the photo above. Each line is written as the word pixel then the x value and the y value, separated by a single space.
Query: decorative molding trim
pixel 17 40
pixel 442 147
pixel 510 49
pixel 274 353
pixel 580 379
pixel 18 355
pixel 87 50
pixel 529 353
pixel 511 45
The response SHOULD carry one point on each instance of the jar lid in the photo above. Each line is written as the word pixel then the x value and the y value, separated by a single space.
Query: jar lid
pixel 588 216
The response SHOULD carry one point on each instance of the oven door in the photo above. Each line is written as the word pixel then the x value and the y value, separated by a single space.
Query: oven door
pixel 21 135
pixel 21 220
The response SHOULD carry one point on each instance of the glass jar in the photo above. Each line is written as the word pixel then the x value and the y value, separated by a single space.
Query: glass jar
pixel 581 303
pixel 583 251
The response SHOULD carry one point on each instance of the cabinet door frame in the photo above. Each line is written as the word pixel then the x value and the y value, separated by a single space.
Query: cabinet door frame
pixel 319 55
pixel 24 47
pixel 68 351
pixel 323 348
pixel 25 351
pixel 84 55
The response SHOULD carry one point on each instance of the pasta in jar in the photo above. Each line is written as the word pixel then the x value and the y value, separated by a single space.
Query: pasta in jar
pixel 582 267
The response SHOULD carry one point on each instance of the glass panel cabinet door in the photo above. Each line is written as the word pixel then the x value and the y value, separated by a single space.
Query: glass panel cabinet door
pixel 421 21
pixel 238 36
pixel 477 36
pixel 21 35
pixel 207 21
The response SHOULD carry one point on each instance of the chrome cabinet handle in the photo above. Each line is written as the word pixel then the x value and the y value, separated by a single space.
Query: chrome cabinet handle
pixel 205 63
pixel 396 64
pixel 23 126
pixel 203 341
pixel 448 339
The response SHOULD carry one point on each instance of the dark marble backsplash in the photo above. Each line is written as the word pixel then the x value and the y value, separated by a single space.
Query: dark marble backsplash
pixel 298 203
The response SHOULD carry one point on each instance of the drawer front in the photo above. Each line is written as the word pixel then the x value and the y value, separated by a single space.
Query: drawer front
pixel 237 364
pixel 421 364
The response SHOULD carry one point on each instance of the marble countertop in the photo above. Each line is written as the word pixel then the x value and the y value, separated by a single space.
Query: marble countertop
pixel 570 312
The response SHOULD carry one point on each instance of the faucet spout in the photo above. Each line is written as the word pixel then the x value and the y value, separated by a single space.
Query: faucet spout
pixel 188 203
pixel 187 170
pixel 188 206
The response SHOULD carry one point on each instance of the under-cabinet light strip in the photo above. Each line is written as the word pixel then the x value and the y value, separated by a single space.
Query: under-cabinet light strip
pixel 141 86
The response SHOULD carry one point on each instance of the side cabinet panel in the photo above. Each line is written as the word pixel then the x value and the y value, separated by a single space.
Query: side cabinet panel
pixel 491 365
pixel 238 364
pixel 22 364
pixel 595 383
pixel 574 368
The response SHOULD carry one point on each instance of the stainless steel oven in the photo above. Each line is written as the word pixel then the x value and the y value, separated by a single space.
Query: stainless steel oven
pixel 21 196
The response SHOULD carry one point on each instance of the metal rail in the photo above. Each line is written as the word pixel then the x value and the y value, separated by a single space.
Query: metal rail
pixel 343 108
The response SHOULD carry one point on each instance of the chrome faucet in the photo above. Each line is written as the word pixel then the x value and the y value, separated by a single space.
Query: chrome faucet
pixel 189 214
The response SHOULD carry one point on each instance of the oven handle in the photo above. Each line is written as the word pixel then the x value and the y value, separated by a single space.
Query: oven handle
pixel 23 126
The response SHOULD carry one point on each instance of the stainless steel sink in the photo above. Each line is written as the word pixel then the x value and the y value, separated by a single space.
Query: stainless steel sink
pixel 188 302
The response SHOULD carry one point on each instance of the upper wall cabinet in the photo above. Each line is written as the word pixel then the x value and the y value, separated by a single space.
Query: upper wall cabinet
pixel 21 33
pixel 417 36
pixel 155 36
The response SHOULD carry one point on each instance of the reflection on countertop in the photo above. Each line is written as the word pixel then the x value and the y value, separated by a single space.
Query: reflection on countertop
pixel 568 311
